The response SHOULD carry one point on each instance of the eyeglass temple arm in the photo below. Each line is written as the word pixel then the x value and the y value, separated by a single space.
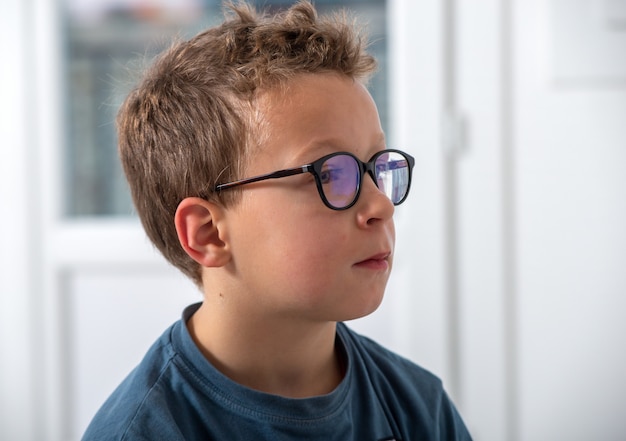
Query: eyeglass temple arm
pixel 274 175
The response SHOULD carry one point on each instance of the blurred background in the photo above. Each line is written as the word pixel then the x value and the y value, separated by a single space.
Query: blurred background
pixel 509 278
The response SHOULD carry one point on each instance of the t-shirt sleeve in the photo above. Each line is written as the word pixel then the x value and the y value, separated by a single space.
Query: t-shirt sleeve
pixel 451 425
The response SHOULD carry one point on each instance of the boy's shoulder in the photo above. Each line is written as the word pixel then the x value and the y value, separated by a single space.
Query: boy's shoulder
pixel 135 395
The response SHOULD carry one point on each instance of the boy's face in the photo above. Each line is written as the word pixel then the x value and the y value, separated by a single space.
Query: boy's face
pixel 293 257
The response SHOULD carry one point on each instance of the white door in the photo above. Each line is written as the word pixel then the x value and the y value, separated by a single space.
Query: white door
pixel 541 214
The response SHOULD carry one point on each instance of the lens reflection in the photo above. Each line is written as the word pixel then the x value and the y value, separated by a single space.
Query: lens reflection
pixel 392 175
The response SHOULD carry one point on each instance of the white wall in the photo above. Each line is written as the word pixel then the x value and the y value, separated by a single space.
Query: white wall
pixel 570 152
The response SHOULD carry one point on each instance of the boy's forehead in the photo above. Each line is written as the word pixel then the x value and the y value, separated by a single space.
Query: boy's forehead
pixel 303 118
pixel 288 90
pixel 287 93
pixel 305 93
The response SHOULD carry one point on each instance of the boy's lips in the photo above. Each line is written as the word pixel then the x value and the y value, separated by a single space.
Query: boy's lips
pixel 376 261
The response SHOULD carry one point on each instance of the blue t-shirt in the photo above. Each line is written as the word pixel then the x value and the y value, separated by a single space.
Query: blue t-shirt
pixel 176 394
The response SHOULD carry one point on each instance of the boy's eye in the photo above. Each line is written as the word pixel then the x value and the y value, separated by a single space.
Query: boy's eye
pixel 331 174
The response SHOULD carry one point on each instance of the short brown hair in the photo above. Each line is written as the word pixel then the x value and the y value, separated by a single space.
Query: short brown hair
pixel 188 124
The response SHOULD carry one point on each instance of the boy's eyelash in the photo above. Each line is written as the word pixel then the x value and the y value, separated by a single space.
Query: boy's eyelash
pixel 327 174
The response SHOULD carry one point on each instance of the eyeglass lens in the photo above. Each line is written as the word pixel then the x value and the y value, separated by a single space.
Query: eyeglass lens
pixel 341 178
pixel 392 175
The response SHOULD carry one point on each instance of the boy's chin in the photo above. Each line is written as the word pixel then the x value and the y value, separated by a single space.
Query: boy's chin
pixel 365 312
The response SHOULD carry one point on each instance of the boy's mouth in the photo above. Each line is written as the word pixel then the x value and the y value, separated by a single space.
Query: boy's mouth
pixel 378 261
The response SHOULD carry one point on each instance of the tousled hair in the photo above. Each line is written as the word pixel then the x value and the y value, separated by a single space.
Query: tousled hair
pixel 189 123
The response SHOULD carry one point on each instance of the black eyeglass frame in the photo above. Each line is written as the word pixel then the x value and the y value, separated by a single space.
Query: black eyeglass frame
pixel 315 168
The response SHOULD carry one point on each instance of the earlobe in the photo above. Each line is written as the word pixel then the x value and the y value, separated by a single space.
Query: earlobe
pixel 198 228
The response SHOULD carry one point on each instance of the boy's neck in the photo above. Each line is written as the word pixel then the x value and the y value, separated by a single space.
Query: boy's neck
pixel 291 361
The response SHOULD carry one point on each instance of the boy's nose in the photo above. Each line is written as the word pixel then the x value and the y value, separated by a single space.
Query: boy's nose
pixel 373 204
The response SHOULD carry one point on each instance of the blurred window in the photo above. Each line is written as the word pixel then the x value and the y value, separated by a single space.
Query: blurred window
pixel 107 41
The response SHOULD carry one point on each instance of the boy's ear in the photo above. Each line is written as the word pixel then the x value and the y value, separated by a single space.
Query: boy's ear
pixel 198 225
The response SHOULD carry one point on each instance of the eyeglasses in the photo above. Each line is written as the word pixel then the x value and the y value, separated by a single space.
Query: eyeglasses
pixel 339 176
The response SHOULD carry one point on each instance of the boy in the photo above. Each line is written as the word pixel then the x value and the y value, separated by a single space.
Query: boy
pixel 258 167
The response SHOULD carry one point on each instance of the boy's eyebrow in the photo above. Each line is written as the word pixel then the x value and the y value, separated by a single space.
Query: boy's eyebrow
pixel 325 146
